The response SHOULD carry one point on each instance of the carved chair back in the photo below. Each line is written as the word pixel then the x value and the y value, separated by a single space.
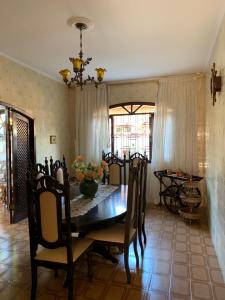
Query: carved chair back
pixel 131 221
pixel 117 168
pixel 58 169
pixel 46 214
pixel 136 157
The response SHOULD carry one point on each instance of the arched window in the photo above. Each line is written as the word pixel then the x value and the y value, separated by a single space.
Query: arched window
pixel 131 126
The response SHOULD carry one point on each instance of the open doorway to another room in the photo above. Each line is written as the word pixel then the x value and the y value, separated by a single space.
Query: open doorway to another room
pixel 16 152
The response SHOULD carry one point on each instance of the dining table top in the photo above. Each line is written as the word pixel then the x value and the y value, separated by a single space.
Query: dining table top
pixel 110 210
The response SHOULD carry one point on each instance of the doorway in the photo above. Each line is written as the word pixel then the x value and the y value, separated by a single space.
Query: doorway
pixel 16 152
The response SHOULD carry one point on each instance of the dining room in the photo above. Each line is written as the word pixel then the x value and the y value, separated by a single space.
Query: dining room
pixel 146 128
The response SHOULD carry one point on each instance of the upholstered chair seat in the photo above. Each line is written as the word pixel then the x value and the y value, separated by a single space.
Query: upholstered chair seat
pixel 59 255
pixel 113 234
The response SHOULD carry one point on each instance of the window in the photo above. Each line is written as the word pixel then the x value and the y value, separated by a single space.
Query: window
pixel 131 126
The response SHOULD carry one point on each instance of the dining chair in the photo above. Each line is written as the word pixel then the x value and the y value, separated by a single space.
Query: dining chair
pixel 134 159
pixel 142 204
pixel 123 234
pixel 58 169
pixel 51 242
pixel 117 168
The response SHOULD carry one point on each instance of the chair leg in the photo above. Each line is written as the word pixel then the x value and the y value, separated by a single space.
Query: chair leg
pixel 126 263
pixel 90 271
pixel 140 240
pixel 144 233
pixel 70 284
pixel 34 281
pixel 136 251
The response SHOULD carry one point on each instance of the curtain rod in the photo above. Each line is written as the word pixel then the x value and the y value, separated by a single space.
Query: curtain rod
pixel 153 79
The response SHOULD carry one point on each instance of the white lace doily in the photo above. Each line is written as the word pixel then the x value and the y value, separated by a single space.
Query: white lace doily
pixel 81 205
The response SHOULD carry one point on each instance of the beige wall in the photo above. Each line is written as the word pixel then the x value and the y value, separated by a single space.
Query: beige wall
pixel 215 150
pixel 46 100
pixel 137 91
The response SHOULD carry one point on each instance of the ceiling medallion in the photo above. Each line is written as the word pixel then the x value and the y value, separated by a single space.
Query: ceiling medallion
pixel 79 63
pixel 215 83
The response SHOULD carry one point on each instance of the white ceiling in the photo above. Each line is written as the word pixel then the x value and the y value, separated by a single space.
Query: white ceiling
pixel 131 39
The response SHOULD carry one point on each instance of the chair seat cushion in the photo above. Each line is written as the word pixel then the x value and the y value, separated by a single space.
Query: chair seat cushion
pixel 59 255
pixel 113 234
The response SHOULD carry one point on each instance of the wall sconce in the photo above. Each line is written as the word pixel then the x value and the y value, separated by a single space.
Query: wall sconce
pixel 215 83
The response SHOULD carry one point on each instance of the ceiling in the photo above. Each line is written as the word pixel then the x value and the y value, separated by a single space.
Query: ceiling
pixel 131 39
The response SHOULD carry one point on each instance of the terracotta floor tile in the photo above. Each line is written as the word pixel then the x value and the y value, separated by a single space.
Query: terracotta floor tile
pixel 216 277
pixel 213 262
pixel 162 267
pixel 219 292
pixel 156 296
pixel 197 249
pixel 181 238
pixel 94 291
pixel 179 246
pixel 180 270
pixel 180 286
pixel 160 283
pixel 201 290
pixel 115 292
pixel 135 294
pixel 195 239
pixel 199 273
pixel 198 260
pixel 176 252
pixel 210 250
pixel 141 280
pixel 180 257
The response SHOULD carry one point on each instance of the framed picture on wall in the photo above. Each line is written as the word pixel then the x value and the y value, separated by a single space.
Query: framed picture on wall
pixel 52 139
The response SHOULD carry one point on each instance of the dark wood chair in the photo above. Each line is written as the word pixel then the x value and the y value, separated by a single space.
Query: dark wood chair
pixel 117 169
pixel 58 169
pixel 51 243
pixel 134 159
pixel 123 234
pixel 142 204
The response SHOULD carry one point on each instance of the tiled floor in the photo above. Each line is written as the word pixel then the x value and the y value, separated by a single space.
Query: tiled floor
pixel 179 263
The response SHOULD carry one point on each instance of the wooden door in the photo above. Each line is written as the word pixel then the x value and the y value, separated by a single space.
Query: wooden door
pixel 21 151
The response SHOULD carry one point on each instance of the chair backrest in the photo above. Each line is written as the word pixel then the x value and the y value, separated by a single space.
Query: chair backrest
pixel 58 169
pixel 143 185
pixel 49 220
pixel 136 157
pixel 132 201
pixel 117 168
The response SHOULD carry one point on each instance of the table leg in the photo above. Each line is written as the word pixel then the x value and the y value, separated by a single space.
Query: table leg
pixel 104 252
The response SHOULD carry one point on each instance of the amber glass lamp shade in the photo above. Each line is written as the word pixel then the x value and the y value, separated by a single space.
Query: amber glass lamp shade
pixel 100 73
pixel 77 64
pixel 65 74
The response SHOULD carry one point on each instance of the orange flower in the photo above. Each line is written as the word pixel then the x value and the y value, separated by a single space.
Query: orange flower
pixel 79 175
pixel 79 158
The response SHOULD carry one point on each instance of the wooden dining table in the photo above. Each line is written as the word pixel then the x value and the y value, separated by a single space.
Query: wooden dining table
pixel 111 210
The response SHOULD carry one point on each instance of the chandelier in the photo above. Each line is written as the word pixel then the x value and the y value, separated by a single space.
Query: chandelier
pixel 79 64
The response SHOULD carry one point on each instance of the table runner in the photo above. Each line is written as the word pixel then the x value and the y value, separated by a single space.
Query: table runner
pixel 80 205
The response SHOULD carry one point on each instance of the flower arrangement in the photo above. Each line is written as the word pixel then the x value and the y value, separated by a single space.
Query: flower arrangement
pixel 88 171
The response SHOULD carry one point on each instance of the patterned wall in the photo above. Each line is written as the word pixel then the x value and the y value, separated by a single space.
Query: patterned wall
pixel 215 150
pixel 46 100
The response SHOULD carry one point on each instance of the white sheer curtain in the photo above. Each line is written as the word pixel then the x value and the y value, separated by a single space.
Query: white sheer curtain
pixel 175 133
pixel 91 122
